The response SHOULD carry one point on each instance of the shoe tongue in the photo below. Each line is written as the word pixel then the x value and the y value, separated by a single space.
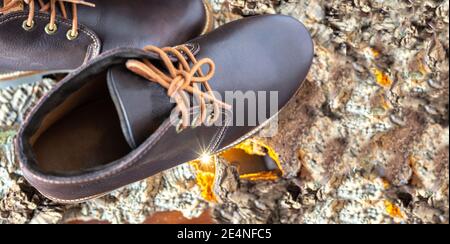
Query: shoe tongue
pixel 142 105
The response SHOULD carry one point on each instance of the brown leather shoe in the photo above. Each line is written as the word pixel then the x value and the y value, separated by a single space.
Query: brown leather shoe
pixel 112 122
pixel 60 35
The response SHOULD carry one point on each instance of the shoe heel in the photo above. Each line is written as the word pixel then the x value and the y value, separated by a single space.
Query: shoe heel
pixel 209 25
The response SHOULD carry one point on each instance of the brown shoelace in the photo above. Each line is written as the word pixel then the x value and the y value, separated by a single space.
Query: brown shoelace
pixel 182 79
pixel 50 7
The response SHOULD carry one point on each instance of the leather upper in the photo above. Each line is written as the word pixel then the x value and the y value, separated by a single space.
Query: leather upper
pixel 264 53
pixel 111 24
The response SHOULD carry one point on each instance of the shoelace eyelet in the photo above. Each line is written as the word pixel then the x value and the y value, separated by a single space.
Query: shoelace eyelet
pixel 71 36
pixel 51 30
pixel 27 27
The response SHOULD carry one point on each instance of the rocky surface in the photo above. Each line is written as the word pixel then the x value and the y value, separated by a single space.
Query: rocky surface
pixel 365 141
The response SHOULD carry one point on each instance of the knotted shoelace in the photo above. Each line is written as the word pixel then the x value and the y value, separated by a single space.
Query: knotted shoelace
pixel 51 7
pixel 182 80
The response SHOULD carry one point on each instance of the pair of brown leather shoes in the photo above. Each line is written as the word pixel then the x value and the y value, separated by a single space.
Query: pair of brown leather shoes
pixel 129 113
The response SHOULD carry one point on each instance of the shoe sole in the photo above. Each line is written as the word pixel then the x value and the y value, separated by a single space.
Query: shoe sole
pixel 14 79
pixel 209 25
